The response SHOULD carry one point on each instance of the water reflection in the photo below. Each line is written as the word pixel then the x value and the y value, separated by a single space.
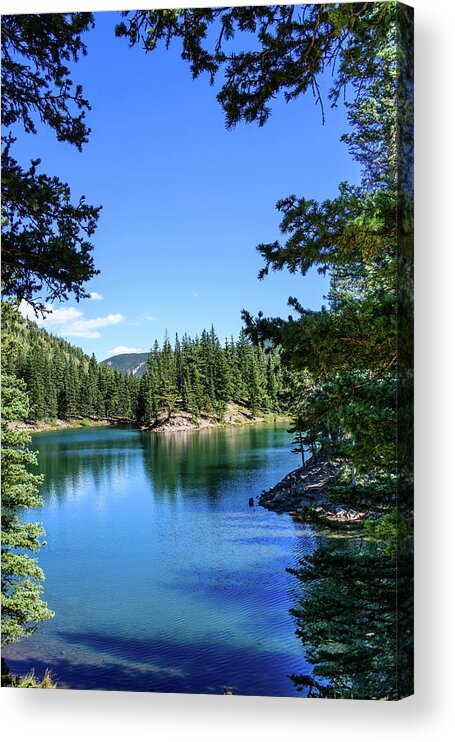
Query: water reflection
pixel 163 577
pixel 83 462
pixel 205 461
pixel 160 573
pixel 202 462
pixel 355 621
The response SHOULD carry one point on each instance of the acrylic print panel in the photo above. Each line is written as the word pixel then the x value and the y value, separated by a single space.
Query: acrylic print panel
pixel 224 474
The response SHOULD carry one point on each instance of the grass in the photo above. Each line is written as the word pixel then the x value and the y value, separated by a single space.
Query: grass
pixel 26 681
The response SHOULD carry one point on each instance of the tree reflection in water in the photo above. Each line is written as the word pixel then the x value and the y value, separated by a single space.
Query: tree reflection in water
pixel 356 621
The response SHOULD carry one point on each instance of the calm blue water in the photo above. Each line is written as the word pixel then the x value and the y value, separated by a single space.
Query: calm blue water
pixel 160 574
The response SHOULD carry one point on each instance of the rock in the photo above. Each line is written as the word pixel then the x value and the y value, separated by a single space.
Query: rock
pixel 303 487
pixel 251 502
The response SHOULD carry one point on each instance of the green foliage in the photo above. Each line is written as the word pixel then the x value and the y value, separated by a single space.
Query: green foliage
pixel 292 46
pixel 201 377
pixel 44 245
pixel 197 376
pixel 355 621
pixel 298 441
pixel 28 681
pixel 339 370
pixel 36 49
pixel 62 382
pixel 392 531
pixel 361 378
pixel 22 606
pixel 377 490
pixel 45 250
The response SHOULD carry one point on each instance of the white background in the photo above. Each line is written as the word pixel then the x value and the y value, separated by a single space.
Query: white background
pixel 76 715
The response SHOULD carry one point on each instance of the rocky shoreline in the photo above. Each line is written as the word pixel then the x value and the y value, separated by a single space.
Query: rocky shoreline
pixel 42 426
pixel 301 493
pixel 234 416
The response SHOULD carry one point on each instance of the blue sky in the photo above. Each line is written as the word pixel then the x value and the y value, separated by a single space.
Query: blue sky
pixel 185 202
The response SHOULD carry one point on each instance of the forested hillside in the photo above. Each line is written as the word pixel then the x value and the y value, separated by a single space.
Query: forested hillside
pixel 62 382
pixel 197 376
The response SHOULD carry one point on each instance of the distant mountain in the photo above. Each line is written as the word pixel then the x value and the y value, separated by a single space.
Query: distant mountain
pixel 128 363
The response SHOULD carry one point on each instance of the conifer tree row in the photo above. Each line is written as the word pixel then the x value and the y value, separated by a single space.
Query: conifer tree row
pixel 200 376
pixel 62 382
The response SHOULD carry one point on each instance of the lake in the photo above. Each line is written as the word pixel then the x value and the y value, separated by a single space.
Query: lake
pixel 161 575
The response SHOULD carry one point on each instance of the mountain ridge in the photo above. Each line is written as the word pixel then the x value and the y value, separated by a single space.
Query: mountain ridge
pixel 128 363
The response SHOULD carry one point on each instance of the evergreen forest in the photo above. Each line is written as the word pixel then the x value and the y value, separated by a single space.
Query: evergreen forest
pixel 199 376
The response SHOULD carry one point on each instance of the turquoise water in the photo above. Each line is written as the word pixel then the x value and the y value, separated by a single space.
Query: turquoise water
pixel 160 574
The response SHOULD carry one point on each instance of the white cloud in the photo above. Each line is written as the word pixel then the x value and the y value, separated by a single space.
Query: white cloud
pixel 151 318
pixel 194 293
pixel 60 316
pixel 69 322
pixel 123 349
pixel 89 324
pixel 95 296
pixel 54 316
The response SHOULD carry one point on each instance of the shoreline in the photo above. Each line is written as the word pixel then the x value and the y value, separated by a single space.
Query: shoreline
pixel 301 495
pixel 233 418
pixel 174 425
pixel 43 426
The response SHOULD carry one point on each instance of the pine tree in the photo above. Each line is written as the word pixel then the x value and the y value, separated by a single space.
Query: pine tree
pixel 92 387
pixel 273 382
pixel 22 605
pixel 34 375
pixel 167 391
pixel 45 250
pixel 50 390
pixel 298 442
